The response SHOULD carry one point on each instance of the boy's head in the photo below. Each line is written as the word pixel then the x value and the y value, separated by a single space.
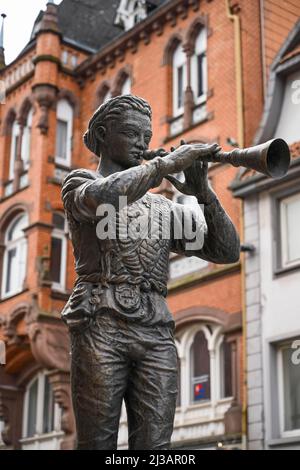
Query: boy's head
pixel 120 130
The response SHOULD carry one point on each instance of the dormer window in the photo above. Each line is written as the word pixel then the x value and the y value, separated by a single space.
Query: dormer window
pixel 131 12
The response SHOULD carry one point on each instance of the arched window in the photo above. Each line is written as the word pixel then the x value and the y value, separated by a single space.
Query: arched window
pixel 199 68
pixel 179 80
pixel 64 132
pixel 200 369
pixel 59 251
pixel 226 368
pixel 15 134
pixel 26 140
pixel 41 415
pixel 208 366
pixel 126 87
pixel 106 96
pixel 15 256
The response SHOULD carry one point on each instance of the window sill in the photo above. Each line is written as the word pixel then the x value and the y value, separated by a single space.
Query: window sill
pixel 41 437
pixel 60 294
pixel 13 294
pixel 202 276
pixel 286 270
pixel 5 198
pixel 283 441
pixel 206 118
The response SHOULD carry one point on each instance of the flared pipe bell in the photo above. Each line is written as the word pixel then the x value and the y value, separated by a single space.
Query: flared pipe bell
pixel 271 158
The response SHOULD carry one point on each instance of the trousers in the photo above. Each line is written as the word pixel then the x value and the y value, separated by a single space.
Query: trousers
pixel 113 359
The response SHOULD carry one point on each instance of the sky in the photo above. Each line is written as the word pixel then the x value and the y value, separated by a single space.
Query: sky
pixel 18 24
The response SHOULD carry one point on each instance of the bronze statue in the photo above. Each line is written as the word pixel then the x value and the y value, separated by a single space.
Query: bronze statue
pixel 121 330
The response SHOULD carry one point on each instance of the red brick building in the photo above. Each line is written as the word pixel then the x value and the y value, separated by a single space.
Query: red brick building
pixel 203 66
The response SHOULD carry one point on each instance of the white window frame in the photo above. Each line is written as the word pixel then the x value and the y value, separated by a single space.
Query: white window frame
pixel 179 60
pixel 20 244
pixel 65 113
pixel 284 246
pixel 126 87
pixel 184 343
pixel 280 365
pixel 39 435
pixel 26 140
pixel 61 235
pixel 15 132
pixel 107 96
pixel 200 49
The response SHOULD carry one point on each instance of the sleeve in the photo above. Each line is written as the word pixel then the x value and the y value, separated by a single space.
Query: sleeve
pixel 83 190
pixel 188 229
pixel 220 240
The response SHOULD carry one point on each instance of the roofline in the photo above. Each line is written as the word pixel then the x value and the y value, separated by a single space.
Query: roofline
pixel 134 32
pixel 26 49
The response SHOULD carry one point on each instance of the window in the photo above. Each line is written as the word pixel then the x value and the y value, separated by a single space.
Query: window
pixel 199 68
pixel 58 252
pixel 13 148
pixel 126 87
pixel 179 80
pixel 287 128
pixel 200 369
pixel 64 130
pixel 107 96
pixel 207 366
pixel 15 254
pixel 41 414
pixel 26 140
pixel 226 370
pixel 74 61
pixel 289 391
pixel 289 209
pixel 130 12
pixel 65 57
pixel 183 265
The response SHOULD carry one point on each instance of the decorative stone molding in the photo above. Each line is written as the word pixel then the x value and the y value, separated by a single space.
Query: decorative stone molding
pixel 65 94
pixel 122 75
pixel 9 323
pixel 49 342
pixel 25 107
pixel 11 414
pixel 208 314
pixel 8 122
pixel 45 95
pixel 102 90
pixel 172 44
pixel 60 382
pixel 192 32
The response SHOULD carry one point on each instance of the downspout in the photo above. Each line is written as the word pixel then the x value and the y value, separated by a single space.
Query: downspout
pixel 262 40
pixel 241 127
pixel 238 72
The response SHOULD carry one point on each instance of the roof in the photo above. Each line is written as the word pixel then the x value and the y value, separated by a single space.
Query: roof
pixel 90 23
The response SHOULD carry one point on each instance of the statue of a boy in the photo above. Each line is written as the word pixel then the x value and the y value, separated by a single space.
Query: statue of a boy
pixel 121 329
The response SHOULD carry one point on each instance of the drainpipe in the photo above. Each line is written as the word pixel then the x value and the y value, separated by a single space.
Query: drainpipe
pixel 262 40
pixel 241 127
pixel 238 71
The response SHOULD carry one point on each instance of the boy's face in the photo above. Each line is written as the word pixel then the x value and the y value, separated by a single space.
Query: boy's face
pixel 127 138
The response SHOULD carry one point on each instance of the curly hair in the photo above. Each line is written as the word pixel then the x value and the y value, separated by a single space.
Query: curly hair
pixel 112 109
